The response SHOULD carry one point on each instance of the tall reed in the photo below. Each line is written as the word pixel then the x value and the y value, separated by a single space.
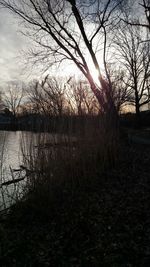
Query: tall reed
pixel 67 161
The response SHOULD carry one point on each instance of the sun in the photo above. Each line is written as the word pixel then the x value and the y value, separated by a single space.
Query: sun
pixel 72 70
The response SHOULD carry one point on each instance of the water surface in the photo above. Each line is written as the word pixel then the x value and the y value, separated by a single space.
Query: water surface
pixel 10 160
pixel 15 149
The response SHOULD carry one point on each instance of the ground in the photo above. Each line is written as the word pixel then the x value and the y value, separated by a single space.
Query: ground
pixel 105 222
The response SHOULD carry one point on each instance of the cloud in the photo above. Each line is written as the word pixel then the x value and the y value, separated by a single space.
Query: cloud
pixel 11 44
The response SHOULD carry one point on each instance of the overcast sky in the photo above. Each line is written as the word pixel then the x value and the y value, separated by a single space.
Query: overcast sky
pixel 11 44
pixel 12 51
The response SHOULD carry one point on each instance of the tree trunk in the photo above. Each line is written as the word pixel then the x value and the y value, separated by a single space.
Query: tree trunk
pixel 138 117
pixel 137 110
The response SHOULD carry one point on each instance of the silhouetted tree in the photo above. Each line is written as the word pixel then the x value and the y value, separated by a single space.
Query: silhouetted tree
pixel 70 29
pixel 134 57
pixel 140 19
pixel 1 102
pixel 81 99
pixel 13 96
pixel 48 96
pixel 122 91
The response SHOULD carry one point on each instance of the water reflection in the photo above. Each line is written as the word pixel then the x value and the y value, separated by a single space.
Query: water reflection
pixel 10 152
pixel 12 144
pixel 10 158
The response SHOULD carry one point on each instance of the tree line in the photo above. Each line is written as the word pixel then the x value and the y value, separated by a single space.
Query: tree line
pixel 75 31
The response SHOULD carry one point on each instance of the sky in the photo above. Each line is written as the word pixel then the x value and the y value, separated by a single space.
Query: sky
pixel 11 44
pixel 12 50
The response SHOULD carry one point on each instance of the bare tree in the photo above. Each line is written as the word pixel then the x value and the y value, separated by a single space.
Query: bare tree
pixel 122 91
pixel 48 96
pixel 70 29
pixel 81 99
pixel 132 18
pixel 146 5
pixel 13 96
pixel 134 57
pixel 1 102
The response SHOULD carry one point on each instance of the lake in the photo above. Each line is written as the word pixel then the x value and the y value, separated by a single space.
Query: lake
pixel 11 144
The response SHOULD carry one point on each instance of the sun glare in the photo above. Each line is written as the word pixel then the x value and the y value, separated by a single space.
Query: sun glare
pixel 72 70
pixel 94 73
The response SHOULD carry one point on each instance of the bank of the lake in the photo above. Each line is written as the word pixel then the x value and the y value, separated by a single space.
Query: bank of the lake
pixel 104 221
pixel 15 149
pixel 50 123
pixel 11 145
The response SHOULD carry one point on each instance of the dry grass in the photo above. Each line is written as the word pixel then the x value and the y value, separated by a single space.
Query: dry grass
pixel 66 160
pixel 102 223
